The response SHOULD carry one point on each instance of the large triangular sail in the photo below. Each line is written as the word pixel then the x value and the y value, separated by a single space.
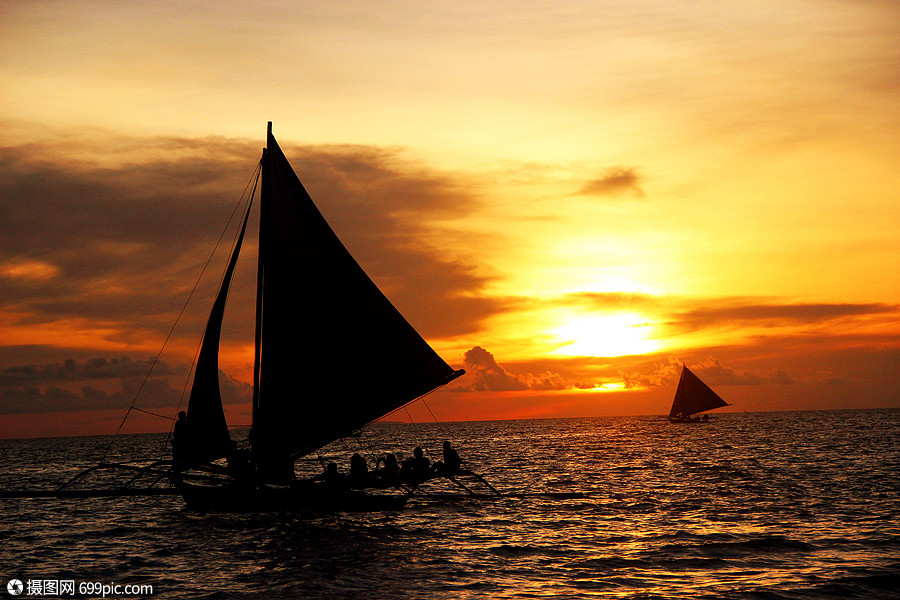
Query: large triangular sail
pixel 333 352
pixel 693 396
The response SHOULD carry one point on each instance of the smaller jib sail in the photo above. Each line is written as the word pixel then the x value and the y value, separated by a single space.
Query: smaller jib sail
pixel 333 352
pixel 206 437
pixel 693 396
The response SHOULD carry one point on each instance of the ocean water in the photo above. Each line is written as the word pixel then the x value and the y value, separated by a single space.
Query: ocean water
pixel 754 505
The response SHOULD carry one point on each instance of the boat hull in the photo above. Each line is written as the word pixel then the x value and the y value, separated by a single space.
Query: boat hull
pixel 264 499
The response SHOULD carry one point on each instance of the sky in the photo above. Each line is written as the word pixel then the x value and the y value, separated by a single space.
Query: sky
pixel 569 200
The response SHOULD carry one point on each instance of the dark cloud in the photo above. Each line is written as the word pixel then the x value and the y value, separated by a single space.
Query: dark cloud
pixel 764 313
pixel 717 312
pixel 74 370
pixel 126 242
pixel 123 245
pixel 33 399
pixel 714 373
pixel 615 181
pixel 93 383
pixel 52 388
pixel 711 371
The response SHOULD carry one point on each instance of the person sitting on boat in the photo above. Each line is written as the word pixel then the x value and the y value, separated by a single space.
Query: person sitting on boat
pixel 417 468
pixel 359 471
pixel 451 462
pixel 331 477
pixel 390 472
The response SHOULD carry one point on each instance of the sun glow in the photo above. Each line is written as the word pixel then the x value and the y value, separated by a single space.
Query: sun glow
pixel 611 335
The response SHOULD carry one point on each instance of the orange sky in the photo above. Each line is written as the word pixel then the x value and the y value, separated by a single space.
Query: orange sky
pixel 565 199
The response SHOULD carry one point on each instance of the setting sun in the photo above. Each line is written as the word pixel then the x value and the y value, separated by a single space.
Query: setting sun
pixel 613 335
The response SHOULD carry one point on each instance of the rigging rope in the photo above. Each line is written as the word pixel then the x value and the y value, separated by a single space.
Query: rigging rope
pixel 153 413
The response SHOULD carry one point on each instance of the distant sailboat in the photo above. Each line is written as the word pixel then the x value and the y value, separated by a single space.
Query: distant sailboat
pixel 693 397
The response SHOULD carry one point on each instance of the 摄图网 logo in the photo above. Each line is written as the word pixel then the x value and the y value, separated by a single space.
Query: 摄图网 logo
pixel 14 587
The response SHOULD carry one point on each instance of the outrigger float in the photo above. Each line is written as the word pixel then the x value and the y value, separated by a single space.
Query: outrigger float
pixel 211 488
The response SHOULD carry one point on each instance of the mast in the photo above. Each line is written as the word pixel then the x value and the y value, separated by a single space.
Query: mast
pixel 257 354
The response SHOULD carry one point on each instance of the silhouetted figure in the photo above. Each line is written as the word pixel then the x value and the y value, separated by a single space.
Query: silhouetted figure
pixel 359 471
pixel 390 472
pixel 416 468
pixel 331 477
pixel 180 440
pixel 451 462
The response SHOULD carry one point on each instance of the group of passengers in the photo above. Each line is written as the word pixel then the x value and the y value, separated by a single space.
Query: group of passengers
pixel 689 418
pixel 388 472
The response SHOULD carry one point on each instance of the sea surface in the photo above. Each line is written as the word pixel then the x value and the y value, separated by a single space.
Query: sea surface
pixel 753 505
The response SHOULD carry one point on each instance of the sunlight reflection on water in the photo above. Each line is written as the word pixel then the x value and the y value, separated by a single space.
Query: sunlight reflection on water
pixel 787 505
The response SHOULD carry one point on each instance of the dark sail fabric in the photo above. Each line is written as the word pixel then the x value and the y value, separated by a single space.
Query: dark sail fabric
pixel 207 435
pixel 334 353
pixel 693 396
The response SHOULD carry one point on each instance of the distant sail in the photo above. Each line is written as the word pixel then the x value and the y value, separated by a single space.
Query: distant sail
pixel 693 396
pixel 334 353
